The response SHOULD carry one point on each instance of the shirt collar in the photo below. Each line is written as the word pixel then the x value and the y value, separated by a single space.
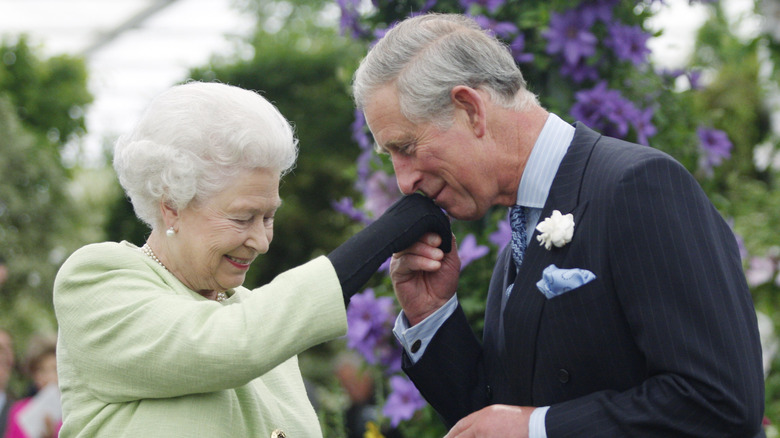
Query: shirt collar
pixel 542 165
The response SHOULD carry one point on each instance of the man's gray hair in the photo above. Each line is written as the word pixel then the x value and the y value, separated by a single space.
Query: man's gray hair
pixel 193 139
pixel 428 55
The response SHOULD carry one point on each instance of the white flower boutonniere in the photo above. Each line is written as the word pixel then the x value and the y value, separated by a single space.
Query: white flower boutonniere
pixel 556 230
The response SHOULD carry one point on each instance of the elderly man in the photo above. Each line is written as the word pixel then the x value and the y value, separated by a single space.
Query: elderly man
pixel 624 313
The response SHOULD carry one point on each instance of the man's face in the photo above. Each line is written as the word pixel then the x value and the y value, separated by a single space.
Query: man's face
pixel 448 166
pixel 6 358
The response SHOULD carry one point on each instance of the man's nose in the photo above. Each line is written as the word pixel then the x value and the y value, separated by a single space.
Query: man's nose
pixel 408 178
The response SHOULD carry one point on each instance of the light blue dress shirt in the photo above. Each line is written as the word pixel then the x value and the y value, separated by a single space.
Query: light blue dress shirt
pixel 535 183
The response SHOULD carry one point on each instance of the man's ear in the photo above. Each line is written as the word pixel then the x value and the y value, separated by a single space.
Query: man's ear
pixel 472 103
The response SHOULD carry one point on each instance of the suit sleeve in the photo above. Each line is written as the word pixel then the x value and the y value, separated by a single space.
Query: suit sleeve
pixel 450 374
pixel 678 276
pixel 132 333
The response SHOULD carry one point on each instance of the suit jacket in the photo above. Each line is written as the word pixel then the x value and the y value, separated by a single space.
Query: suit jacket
pixel 141 355
pixel 664 342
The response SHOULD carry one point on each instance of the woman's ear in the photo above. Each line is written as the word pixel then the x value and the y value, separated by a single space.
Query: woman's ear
pixel 170 215
pixel 472 103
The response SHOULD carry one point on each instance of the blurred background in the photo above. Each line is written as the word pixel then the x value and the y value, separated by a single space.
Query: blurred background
pixel 698 80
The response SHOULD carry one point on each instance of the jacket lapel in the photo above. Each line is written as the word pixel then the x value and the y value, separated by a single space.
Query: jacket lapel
pixel 524 309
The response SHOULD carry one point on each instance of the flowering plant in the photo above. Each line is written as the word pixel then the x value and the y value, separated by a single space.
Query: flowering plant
pixel 557 230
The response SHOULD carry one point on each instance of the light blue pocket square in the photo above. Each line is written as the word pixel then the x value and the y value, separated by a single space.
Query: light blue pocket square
pixel 556 281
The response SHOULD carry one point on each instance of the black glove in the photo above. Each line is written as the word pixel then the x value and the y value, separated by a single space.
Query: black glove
pixel 357 259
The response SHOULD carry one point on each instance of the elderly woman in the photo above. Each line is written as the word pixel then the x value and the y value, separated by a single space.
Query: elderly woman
pixel 163 340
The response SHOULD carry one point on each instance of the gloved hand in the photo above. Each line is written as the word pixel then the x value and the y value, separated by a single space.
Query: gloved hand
pixel 398 228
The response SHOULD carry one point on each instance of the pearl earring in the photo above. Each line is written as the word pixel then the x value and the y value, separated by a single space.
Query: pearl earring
pixel 170 232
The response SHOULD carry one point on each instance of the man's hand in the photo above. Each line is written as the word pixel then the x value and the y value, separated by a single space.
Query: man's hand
pixel 401 225
pixel 424 277
pixel 499 421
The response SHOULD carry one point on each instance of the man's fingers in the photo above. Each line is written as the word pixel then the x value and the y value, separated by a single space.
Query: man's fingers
pixel 427 246
pixel 410 263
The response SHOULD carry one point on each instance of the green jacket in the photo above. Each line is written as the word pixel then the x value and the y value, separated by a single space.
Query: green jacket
pixel 141 355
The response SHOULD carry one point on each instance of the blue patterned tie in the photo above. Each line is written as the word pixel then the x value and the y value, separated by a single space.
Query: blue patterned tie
pixel 519 236
pixel 519 242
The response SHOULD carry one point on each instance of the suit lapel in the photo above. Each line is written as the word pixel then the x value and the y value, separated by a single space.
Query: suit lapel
pixel 524 309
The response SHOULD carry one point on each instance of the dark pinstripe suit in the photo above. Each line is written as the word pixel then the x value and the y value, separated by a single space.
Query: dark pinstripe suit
pixel 663 343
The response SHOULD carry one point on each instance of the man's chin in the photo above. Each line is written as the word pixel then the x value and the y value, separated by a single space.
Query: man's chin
pixel 463 216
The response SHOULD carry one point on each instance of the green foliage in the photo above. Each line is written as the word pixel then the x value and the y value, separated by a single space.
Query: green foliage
pixel 41 106
pixel 49 95
pixel 32 199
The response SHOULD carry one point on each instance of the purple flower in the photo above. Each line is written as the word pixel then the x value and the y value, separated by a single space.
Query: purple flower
pixel 517 46
pixel 593 10
pixel 491 5
pixel 380 192
pixel 760 271
pixel 360 131
pixel 580 71
pixel 360 135
pixel 502 235
pixel 694 78
pixel 350 18
pixel 570 36
pixel 502 29
pixel 364 167
pixel 628 43
pixel 370 322
pixel 607 110
pixel 404 400
pixel 671 73
pixel 621 113
pixel 345 206
pixel 715 145
pixel 385 266
pixel 743 252
pixel 390 353
pixel 592 105
pixel 644 126
pixel 468 251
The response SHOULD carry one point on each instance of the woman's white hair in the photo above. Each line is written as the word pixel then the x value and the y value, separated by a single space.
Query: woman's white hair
pixel 192 139
pixel 428 55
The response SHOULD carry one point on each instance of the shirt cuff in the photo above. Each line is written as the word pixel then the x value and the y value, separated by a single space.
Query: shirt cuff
pixel 536 428
pixel 416 339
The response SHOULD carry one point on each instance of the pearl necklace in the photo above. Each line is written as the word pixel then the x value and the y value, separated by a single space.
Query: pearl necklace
pixel 221 296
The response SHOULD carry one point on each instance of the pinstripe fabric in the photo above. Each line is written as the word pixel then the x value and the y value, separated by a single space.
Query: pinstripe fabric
pixel 664 343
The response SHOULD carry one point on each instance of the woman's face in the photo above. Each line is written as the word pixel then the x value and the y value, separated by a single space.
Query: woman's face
pixel 218 239
pixel 46 371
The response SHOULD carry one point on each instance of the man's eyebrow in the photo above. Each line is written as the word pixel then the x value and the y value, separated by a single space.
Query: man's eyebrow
pixel 394 144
